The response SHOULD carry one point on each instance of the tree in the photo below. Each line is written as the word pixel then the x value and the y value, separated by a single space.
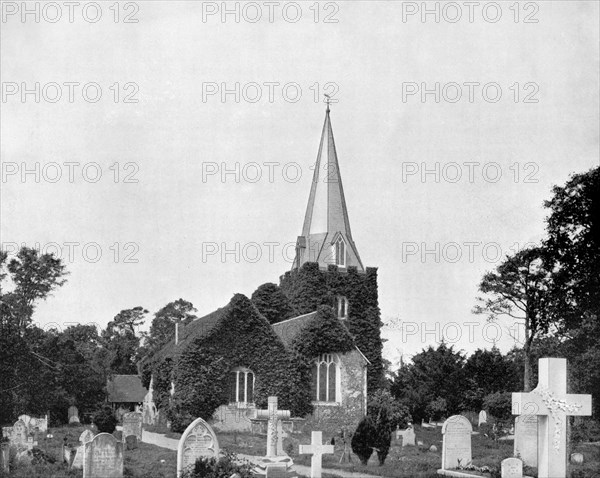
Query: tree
pixel 162 329
pixel 120 341
pixel 573 247
pixel 271 302
pixel 434 373
pixel 519 288
pixel 489 371
pixel 33 277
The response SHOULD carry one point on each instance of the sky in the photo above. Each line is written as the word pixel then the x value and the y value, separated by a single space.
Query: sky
pixel 163 149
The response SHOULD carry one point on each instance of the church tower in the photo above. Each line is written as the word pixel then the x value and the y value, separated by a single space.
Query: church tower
pixel 326 237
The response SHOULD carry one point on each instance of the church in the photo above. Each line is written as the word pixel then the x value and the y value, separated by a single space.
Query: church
pixel 313 340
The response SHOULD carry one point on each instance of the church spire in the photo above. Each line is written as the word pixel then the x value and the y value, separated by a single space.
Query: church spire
pixel 326 236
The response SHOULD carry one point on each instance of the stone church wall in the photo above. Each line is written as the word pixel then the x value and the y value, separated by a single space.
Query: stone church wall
pixel 353 375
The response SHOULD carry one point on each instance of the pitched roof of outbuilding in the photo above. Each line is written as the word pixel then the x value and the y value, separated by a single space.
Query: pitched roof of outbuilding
pixel 288 329
pixel 125 389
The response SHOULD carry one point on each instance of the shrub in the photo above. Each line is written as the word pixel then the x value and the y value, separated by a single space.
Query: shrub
pixel 437 409
pixel 499 405
pixel 224 467
pixel 363 439
pixel 105 420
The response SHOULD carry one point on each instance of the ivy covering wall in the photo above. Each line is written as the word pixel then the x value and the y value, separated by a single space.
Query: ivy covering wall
pixel 309 287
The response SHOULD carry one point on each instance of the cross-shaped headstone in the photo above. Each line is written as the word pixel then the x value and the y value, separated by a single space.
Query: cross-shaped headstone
pixel 551 403
pixel 273 415
pixel 317 449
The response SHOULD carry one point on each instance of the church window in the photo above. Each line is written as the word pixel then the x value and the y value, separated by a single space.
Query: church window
pixel 325 375
pixel 241 386
pixel 339 250
pixel 342 308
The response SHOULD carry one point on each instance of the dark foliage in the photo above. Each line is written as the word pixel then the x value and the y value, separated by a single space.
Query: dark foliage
pixel 325 333
pixel 224 467
pixel 242 338
pixel 271 302
pixel 363 439
pixel 105 420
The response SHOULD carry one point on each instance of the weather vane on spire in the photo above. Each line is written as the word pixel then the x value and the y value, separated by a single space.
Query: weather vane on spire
pixel 328 101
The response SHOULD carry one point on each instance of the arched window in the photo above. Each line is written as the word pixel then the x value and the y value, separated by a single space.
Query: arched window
pixel 241 386
pixel 325 375
pixel 342 307
pixel 339 252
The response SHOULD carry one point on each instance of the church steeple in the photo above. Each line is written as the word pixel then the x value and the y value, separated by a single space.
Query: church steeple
pixel 326 237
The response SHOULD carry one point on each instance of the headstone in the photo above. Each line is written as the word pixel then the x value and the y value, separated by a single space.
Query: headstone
pixel 317 449
pixel 526 439
pixel 25 419
pixel 482 418
pixel 512 468
pixel 198 440
pixel 132 425
pixel 408 436
pixel 5 457
pixel 433 448
pixel 103 457
pixel 553 405
pixel 273 415
pixel 73 415
pixel 456 445
pixel 577 458
pixel 86 437
pixel 19 434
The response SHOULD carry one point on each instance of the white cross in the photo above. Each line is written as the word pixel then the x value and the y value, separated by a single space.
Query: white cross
pixel 317 449
pixel 552 404
pixel 273 415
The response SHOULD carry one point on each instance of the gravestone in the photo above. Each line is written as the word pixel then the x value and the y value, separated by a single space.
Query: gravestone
pixel 456 445
pixel 86 437
pixel 5 457
pixel 553 405
pixel 526 439
pixel 103 457
pixel 73 415
pixel 132 425
pixel 273 415
pixel 482 418
pixel 317 449
pixel 408 436
pixel 18 437
pixel 198 440
pixel 25 419
pixel 512 468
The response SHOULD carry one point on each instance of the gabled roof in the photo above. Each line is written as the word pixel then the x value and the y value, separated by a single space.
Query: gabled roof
pixel 187 333
pixel 125 389
pixel 288 329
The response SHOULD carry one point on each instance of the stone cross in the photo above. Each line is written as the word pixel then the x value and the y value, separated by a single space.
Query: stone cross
pixel 273 415
pixel 317 449
pixel 551 403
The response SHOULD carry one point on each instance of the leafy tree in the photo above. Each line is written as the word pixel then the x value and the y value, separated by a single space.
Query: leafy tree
pixel 105 420
pixel 387 414
pixel 120 341
pixel 573 247
pixel 162 329
pixel 489 371
pixel 33 277
pixel 271 302
pixel 519 288
pixel 434 373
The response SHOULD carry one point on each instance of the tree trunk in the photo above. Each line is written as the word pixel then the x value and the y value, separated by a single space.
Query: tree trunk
pixel 527 352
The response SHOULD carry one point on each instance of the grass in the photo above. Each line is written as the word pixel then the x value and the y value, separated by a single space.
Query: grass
pixel 149 461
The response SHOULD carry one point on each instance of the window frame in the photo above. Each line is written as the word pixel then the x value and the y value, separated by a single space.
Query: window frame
pixel 339 256
pixel 330 360
pixel 246 371
pixel 342 304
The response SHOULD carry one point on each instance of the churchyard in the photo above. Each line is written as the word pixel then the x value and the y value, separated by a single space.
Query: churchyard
pixel 458 446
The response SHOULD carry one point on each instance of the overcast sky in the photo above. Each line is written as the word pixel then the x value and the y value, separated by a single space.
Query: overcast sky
pixel 129 184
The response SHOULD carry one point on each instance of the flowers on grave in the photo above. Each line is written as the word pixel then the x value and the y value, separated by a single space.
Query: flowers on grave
pixel 558 408
pixel 471 467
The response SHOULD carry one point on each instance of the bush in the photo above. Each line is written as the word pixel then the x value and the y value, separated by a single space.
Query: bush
pixel 586 431
pixel 499 405
pixel 382 406
pixel 437 409
pixel 224 467
pixel 105 420
pixel 363 439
